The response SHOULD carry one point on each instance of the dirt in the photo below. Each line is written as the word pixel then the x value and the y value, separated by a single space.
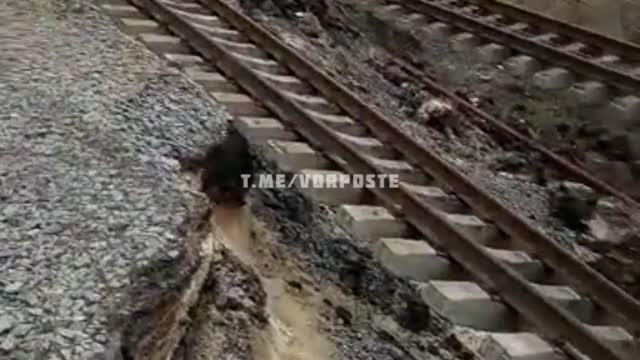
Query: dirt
pixel 221 168
pixel 157 324
pixel 292 329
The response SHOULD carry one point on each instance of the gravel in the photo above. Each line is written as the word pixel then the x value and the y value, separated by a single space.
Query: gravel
pixel 314 239
pixel 363 65
pixel 91 126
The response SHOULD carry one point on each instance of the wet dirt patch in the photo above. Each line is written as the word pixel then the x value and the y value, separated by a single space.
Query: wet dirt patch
pixel 292 330
pixel 229 314
pixel 276 280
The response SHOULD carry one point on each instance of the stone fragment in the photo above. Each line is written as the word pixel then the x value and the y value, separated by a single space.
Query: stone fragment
pixel 493 53
pixel 572 203
pixel 6 323
pixel 553 79
pixel 522 66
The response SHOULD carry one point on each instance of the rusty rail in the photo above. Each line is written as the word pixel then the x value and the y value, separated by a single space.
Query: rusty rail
pixel 514 289
pixel 613 77
pixel 617 46
pixel 478 116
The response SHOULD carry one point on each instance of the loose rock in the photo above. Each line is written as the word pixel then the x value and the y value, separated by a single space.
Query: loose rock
pixel 572 203
pixel 436 113
pixel 510 162
pixel 6 323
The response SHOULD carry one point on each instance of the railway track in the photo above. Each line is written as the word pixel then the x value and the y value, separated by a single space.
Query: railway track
pixel 511 29
pixel 524 41
pixel 480 264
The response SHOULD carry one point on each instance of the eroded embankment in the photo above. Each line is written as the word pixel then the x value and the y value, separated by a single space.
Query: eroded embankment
pixel 277 279
pixel 232 299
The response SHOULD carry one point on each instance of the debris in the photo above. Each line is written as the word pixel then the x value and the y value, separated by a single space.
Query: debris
pixel 343 315
pixel 416 316
pixel 485 77
pixel 309 24
pixel 395 74
pixel 572 203
pixel 435 112
pixel 511 161
pixel 608 226
pixel 222 168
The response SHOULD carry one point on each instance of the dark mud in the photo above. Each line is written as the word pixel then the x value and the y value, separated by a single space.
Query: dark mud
pixel 222 168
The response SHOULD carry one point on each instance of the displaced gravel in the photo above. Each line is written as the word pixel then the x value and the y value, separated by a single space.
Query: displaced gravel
pixel 91 125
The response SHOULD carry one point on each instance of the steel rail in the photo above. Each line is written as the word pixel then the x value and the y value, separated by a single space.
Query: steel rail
pixel 621 47
pixel 524 45
pixel 576 171
pixel 625 308
pixel 514 289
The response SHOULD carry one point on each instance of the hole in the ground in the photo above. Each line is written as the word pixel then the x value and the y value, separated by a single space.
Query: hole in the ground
pixel 222 169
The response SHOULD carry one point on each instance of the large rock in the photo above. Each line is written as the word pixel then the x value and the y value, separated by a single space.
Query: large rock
pixel 609 225
pixel 572 203
pixel 436 113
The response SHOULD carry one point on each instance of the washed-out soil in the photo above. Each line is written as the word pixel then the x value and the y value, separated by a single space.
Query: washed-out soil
pixel 280 263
